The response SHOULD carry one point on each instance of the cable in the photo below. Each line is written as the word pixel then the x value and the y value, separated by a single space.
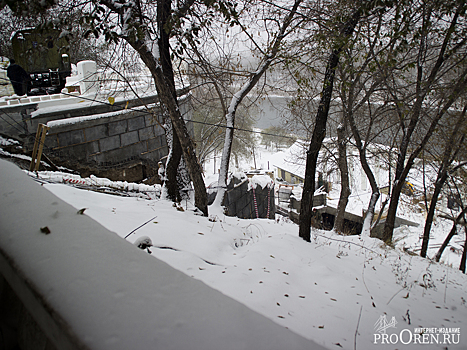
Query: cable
pixel 193 121
pixel 12 125
pixel 148 113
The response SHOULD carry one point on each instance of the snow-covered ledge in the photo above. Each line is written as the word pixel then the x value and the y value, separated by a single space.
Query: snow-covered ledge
pixel 89 289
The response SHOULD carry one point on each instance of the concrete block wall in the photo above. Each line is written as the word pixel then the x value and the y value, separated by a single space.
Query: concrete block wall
pixel 109 137
pixel 110 140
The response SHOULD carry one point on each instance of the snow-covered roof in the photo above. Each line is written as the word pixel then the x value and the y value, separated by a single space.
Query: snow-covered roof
pixel 292 159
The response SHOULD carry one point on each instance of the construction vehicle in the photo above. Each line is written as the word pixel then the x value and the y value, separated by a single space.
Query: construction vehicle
pixel 44 54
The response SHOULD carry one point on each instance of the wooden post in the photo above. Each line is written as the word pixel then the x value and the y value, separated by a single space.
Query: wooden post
pixel 38 147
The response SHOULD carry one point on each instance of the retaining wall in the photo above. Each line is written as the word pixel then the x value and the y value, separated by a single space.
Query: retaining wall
pixel 120 141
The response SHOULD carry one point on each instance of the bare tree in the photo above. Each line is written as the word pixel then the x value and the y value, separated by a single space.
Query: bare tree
pixel 453 146
pixel 361 95
pixel 319 130
pixel 267 57
pixel 149 30
pixel 441 42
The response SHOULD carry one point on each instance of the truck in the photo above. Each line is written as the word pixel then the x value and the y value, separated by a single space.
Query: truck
pixel 44 54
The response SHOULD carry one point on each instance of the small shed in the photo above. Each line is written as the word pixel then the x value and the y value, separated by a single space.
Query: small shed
pixel 288 176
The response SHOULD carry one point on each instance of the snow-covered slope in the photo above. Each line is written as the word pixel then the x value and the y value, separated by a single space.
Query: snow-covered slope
pixel 332 290
pixel 89 289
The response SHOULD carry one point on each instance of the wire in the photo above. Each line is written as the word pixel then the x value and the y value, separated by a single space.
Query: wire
pixel 193 121
pixel 148 113
pixel 12 125
pixel 189 121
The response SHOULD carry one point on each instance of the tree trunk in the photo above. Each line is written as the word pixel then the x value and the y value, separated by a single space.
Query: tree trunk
pixel 446 241
pixel 319 131
pixel 450 235
pixel 374 189
pixel 344 175
pixel 370 176
pixel 464 252
pixel 162 72
pixel 238 98
pixel 441 179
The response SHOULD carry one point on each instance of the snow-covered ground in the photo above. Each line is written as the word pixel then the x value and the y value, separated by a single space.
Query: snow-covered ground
pixel 327 290
pixel 334 290
pixel 340 291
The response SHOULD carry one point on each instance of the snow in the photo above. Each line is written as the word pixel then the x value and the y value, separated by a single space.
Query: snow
pixel 74 120
pixel 129 188
pixel 288 159
pixel 112 294
pixel 332 291
pixel 316 289
pixel 7 142
pixel 261 180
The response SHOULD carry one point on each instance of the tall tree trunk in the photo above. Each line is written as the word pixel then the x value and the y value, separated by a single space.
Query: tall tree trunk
pixel 369 175
pixel 464 252
pixel 160 66
pixel 319 131
pixel 182 143
pixel 344 175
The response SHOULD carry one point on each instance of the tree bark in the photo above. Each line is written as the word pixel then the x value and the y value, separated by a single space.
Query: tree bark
pixel 450 235
pixel 319 131
pixel 464 252
pixel 344 175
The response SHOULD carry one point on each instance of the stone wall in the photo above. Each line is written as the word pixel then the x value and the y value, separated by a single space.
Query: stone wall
pixel 120 141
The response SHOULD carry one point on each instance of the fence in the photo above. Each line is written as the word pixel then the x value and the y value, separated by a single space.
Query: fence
pixel 250 198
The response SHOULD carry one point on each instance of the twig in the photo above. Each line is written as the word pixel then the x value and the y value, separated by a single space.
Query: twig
pixel 349 242
pixel 147 222
pixel 356 330
pixel 446 284
pixel 400 290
